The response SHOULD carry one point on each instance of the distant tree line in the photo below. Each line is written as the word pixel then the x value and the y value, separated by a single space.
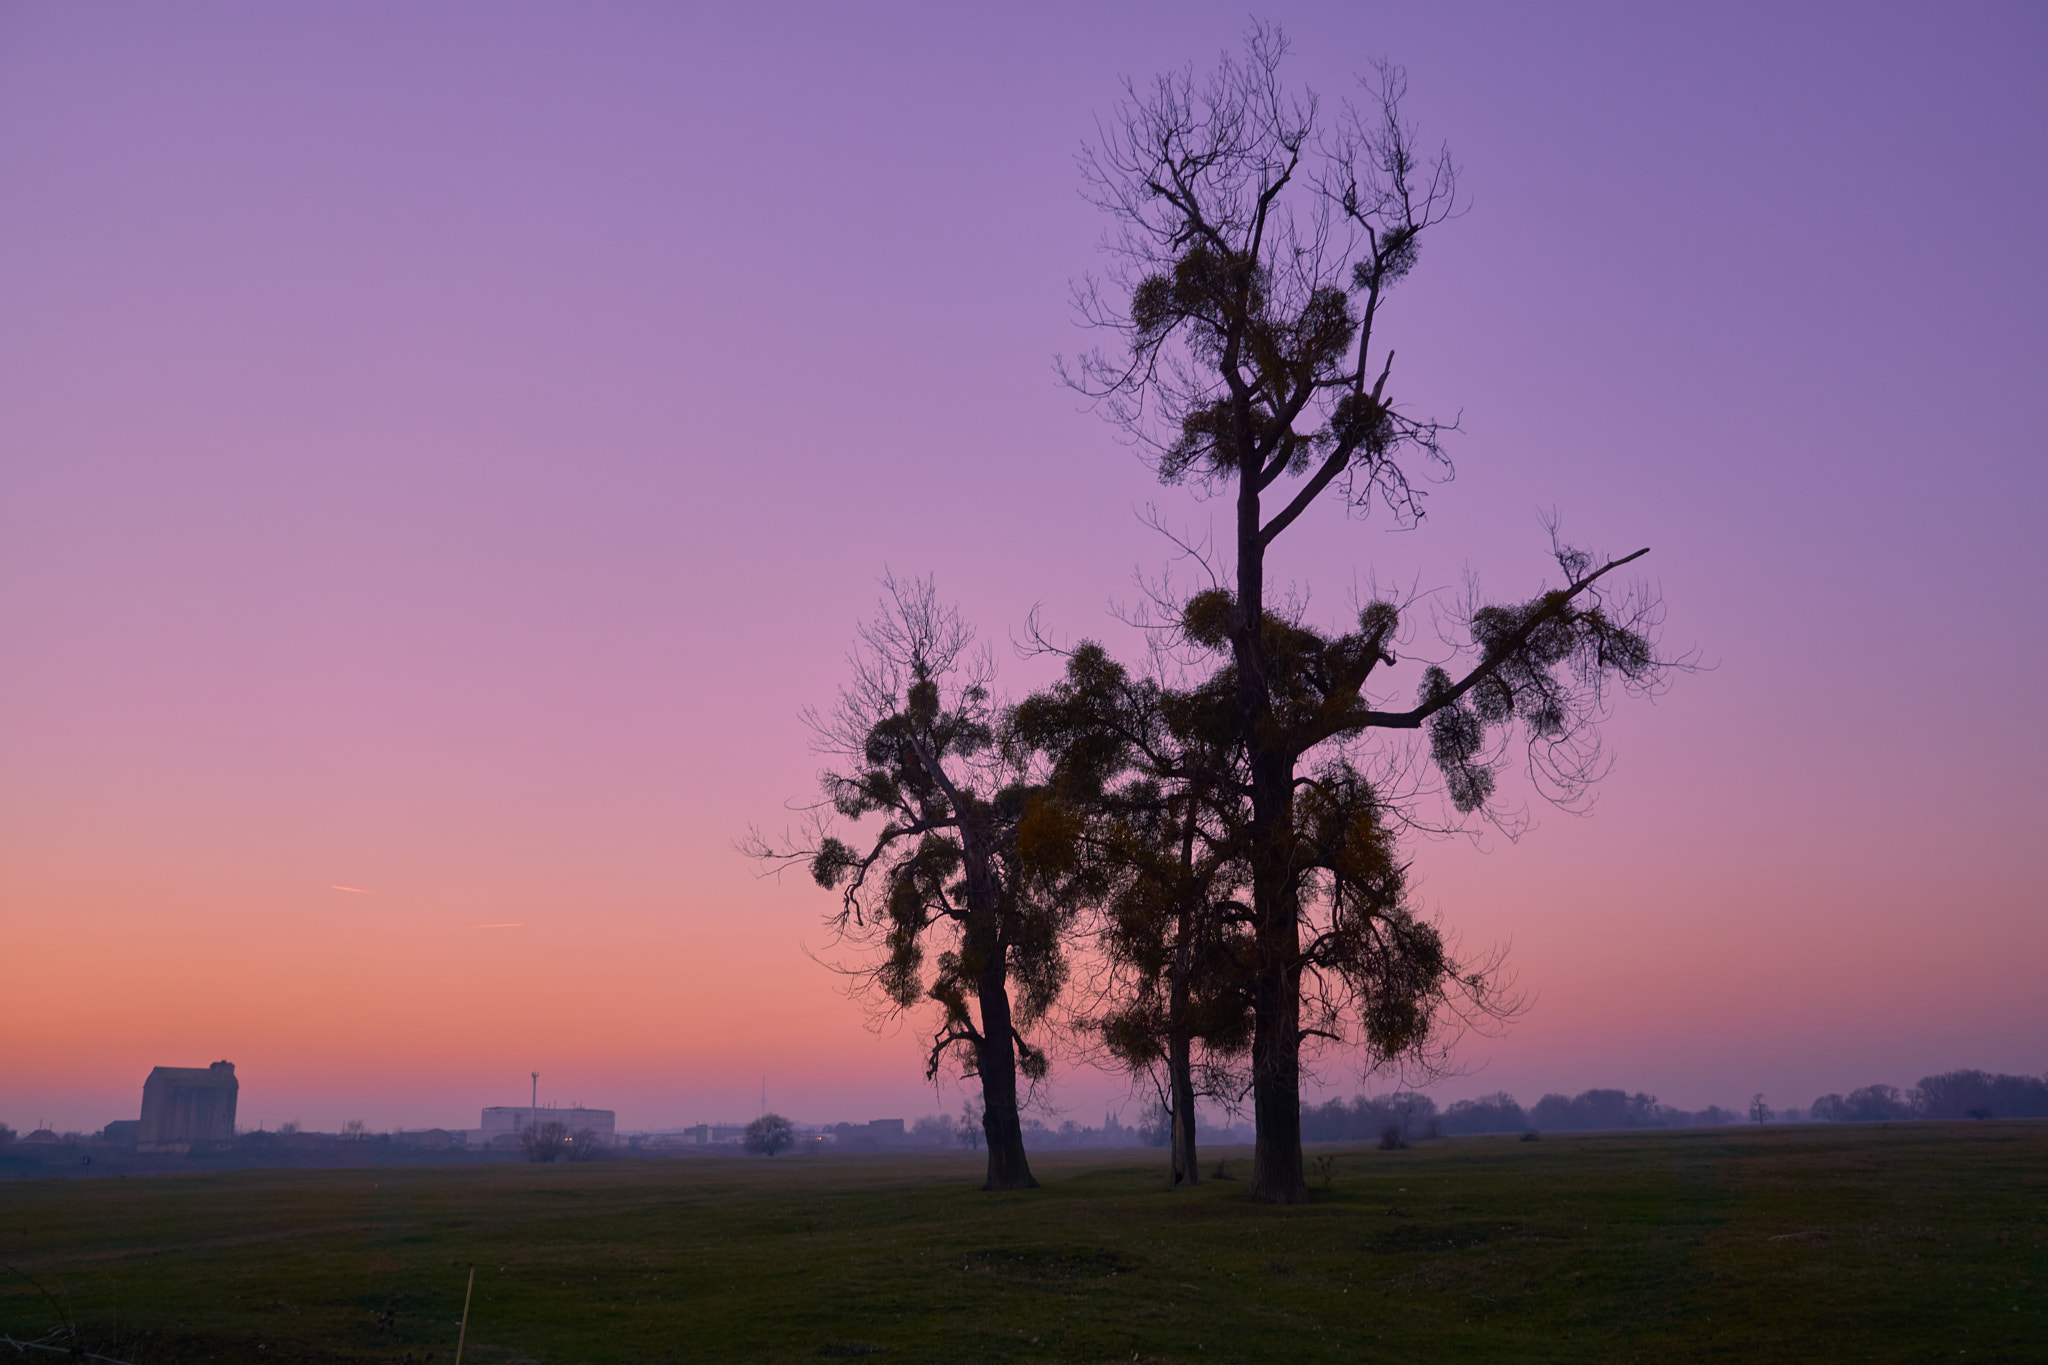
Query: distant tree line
pixel 1158 1129
pixel 1594 1109
pixel 1405 1112
pixel 1072 1136
pixel 1414 1115
pixel 1951 1095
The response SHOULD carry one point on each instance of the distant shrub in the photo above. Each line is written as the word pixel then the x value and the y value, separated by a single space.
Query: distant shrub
pixel 544 1141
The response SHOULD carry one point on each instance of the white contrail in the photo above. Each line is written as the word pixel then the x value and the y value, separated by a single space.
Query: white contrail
pixel 357 889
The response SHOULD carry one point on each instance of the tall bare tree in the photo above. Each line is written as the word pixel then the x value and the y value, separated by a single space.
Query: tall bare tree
pixel 1256 243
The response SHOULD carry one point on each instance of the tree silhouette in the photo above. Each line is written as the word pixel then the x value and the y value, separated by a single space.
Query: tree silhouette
pixel 942 901
pixel 1147 777
pixel 1255 245
pixel 544 1142
pixel 770 1135
pixel 1153 781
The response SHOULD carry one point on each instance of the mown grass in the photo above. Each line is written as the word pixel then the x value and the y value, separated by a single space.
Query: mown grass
pixel 1916 1242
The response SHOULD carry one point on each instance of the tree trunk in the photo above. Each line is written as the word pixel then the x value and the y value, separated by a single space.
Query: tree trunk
pixel 1277 1174
pixel 1276 926
pixel 1181 1073
pixel 1276 988
pixel 996 1060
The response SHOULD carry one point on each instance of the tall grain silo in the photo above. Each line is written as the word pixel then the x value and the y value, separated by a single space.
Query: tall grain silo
pixel 189 1104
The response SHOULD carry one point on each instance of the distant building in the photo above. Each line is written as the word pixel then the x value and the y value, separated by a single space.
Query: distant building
pixel 121 1130
pixel 189 1104
pixel 505 1122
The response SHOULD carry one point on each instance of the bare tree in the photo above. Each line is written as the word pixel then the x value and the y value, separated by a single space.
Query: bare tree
pixel 545 1141
pixel 1255 244
pixel 934 1130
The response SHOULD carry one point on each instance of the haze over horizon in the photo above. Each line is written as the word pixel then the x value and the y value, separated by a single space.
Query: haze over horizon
pixel 443 451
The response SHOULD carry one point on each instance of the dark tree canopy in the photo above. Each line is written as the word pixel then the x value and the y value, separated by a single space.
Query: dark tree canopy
pixel 1156 780
pixel 770 1135
pixel 1147 778
pixel 939 895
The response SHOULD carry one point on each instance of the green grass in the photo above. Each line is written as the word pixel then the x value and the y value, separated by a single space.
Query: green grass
pixel 1917 1242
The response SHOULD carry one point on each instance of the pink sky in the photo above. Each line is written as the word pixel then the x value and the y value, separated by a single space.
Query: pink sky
pixel 441 450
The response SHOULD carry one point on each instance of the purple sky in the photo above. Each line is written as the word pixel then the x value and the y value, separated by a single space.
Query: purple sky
pixel 442 449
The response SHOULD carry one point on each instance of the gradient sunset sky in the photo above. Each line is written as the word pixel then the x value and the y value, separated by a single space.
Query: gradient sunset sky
pixel 442 449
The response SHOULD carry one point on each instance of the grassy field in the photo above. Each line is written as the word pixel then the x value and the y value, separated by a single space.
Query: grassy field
pixel 1914 1242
